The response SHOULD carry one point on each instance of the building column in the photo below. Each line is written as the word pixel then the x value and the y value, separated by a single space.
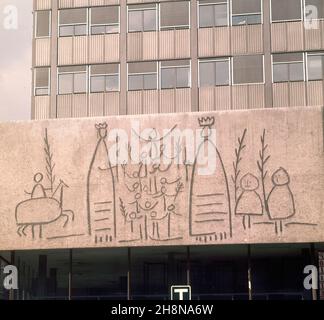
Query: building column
pixel 267 54
pixel 42 276
pixel 249 272
pixel 188 266
pixel 123 58
pixel 194 55
pixel 129 252
pixel 54 59
pixel 70 273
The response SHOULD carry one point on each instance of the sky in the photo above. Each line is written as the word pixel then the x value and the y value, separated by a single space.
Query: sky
pixel 15 59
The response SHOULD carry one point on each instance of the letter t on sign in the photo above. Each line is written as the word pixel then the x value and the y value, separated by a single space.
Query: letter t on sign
pixel 180 293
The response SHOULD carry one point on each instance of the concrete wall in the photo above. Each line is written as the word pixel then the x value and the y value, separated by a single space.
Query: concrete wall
pixel 267 188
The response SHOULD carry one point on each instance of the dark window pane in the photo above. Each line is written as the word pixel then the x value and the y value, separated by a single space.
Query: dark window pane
pixel 206 16
pixel 296 71
pixel 222 73
pixel 80 30
pixel 248 69
pixel 319 4
pixel 175 63
pixel 183 75
pixel 207 74
pixel 150 81
pixel 98 84
pixel 98 30
pixel 42 23
pixel 65 83
pixel 72 69
pixel 286 10
pixel 246 19
pixel 149 20
pixel 80 82
pixel 66 31
pixel 315 67
pixel 112 83
pixel 142 67
pixel 135 21
pixel 105 15
pixel 280 72
pixel 168 78
pixel 135 82
pixel 104 69
pixel 288 57
pixel 221 15
pixel 73 16
pixel 244 6
pixel 42 77
pixel 174 14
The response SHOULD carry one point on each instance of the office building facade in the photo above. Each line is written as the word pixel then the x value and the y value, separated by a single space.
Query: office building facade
pixel 100 58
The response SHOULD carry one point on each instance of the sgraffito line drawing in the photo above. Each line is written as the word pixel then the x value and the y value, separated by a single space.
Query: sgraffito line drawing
pixel 45 205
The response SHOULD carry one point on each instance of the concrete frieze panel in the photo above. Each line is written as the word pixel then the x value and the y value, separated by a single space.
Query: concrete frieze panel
pixel 254 176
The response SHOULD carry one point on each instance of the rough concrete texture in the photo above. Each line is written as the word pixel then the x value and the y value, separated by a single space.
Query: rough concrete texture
pixel 61 189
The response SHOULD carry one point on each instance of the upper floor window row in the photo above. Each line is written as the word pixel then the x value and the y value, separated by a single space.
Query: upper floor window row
pixel 216 13
pixel 159 16
pixel 96 20
pixel 298 66
pixel 153 75
pixel 296 10
pixel 231 70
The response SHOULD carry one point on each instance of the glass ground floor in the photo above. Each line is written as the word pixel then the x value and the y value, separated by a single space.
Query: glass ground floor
pixel 214 272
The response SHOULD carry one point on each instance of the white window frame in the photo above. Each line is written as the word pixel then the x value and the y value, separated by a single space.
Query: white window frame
pixel 227 2
pixel 228 59
pixel 246 14
pixel 179 27
pixel 160 73
pixel 59 25
pixel 100 25
pixel 104 75
pixel 49 83
pixel 289 20
pixel 313 53
pixel 72 72
pixel 156 14
pixel 276 63
pixel 49 22
pixel 144 73
pixel 249 83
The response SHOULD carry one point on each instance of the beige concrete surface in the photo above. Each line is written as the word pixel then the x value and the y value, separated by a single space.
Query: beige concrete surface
pixel 61 189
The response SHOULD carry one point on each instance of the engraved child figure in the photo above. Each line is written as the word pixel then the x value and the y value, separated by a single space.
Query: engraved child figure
pixel 281 203
pixel 249 203
pixel 38 191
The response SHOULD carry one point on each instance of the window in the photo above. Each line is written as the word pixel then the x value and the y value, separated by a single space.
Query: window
pixel 105 20
pixel 142 76
pixel 43 24
pixel 246 12
pixel 288 67
pixel 175 74
pixel 104 78
pixel 42 81
pixel 73 22
pixel 142 18
pixel 315 65
pixel 214 72
pixel 72 79
pixel 174 15
pixel 287 10
pixel 319 4
pixel 213 13
pixel 248 69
